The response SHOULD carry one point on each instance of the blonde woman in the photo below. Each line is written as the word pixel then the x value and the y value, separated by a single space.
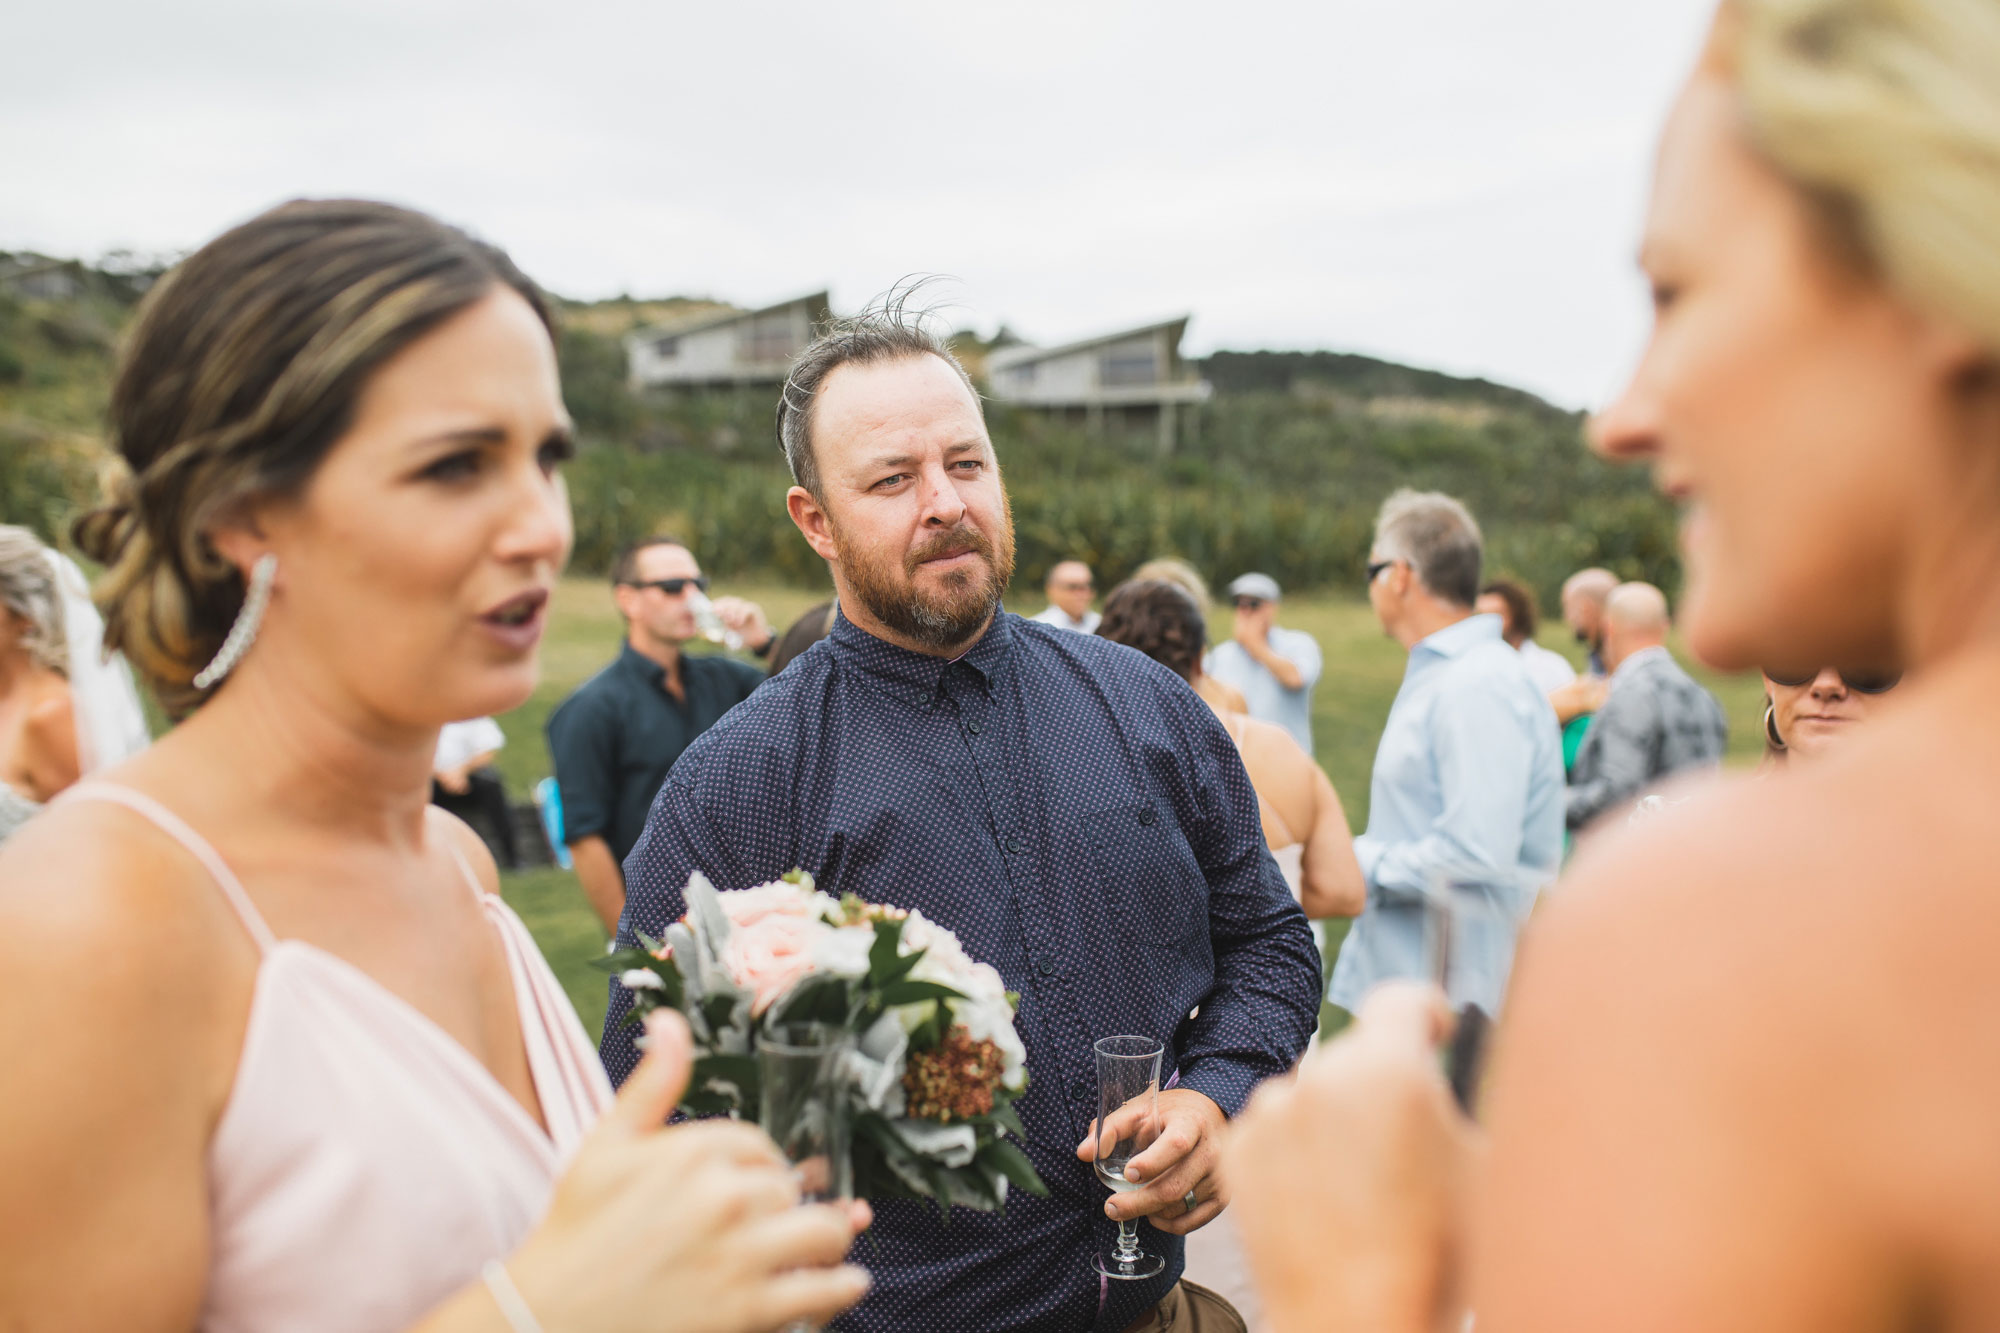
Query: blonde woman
pixel 1750 1076
pixel 277 1057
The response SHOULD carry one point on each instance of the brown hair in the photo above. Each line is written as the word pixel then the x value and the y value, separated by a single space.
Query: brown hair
pixel 1522 616
pixel 625 569
pixel 1160 619
pixel 242 369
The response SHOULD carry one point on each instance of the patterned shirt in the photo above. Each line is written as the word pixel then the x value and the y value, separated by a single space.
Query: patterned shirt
pixel 1081 820
pixel 1656 722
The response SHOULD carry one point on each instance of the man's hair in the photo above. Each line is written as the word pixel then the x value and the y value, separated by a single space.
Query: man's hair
pixel 1522 616
pixel 890 328
pixel 625 569
pixel 1439 539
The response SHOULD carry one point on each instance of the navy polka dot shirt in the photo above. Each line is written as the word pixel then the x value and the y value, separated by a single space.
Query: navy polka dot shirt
pixel 1081 820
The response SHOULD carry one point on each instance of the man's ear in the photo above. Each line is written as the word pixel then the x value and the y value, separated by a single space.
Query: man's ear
pixel 809 516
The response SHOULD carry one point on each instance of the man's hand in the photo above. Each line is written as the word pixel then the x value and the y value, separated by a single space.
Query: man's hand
pixel 454 780
pixel 1253 628
pixel 746 619
pixel 1184 1157
pixel 1362 1154
pixel 1585 694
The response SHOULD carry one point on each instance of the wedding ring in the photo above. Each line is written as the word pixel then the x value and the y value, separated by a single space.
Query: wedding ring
pixel 1189 1201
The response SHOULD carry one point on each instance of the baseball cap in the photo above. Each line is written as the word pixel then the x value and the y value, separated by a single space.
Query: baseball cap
pixel 1261 586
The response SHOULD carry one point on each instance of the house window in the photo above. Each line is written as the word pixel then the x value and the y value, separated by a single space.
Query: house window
pixel 769 338
pixel 1128 367
pixel 1023 376
pixel 667 348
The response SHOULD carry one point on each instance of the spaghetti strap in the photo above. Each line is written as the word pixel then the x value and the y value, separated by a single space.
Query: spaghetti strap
pixel 479 894
pixel 171 824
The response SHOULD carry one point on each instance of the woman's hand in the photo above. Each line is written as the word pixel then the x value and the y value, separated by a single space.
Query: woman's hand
pixel 690 1229
pixel 1348 1177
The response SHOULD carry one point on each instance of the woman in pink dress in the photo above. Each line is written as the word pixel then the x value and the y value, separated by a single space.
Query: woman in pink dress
pixel 277 1056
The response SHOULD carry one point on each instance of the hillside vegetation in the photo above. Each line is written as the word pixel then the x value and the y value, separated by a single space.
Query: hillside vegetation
pixel 1281 471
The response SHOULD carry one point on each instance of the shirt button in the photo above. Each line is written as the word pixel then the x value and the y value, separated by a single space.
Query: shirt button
pixel 1013 846
pixel 1046 964
pixel 1079 1088
pixel 972 728
pixel 1146 815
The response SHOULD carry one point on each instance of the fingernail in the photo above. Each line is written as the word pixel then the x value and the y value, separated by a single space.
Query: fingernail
pixel 1111 1211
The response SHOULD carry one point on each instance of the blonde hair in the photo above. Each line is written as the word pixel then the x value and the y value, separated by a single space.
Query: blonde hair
pixel 241 371
pixel 28 589
pixel 1887 114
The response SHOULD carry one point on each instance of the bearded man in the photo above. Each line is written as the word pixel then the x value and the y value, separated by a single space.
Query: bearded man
pixel 1065 805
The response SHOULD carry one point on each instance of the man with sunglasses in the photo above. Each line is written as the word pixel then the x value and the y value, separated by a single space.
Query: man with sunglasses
pixel 1655 722
pixel 614 739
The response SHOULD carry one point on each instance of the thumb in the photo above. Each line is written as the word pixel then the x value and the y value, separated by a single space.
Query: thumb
pixel 655 1087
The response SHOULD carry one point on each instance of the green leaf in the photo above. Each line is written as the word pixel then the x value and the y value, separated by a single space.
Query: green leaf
pixel 885 954
pixel 914 992
pixel 1012 1163
pixel 1007 1118
pixel 819 998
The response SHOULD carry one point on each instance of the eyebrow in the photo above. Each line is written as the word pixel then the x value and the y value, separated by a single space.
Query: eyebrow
pixel 560 432
pixel 907 460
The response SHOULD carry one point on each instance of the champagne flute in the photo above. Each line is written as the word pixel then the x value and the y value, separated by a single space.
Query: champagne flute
pixel 1128 1120
pixel 803 1107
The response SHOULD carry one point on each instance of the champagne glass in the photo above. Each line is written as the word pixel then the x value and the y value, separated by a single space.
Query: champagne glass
pixel 802 1104
pixel 709 621
pixel 1128 1120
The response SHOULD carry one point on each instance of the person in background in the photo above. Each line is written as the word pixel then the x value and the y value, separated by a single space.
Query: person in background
pixel 1304 825
pixel 1752 1067
pixel 1070 589
pixel 1222 697
pixel 1468 780
pixel 1583 596
pixel 1515 605
pixel 614 739
pixel 464 781
pixel 813 624
pixel 278 1056
pixel 1808 715
pixel 1064 805
pixel 65 710
pixel 1274 668
pixel 1655 722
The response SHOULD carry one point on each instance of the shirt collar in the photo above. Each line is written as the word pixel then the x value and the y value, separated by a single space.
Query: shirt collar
pixel 1654 650
pixel 1460 636
pixel 918 678
pixel 631 660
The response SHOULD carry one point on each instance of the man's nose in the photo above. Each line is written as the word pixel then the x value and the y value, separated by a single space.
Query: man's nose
pixel 943 506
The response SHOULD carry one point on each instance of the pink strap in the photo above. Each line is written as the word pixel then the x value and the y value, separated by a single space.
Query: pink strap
pixel 197 846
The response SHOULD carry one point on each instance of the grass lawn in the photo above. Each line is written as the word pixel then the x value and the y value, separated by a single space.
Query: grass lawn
pixel 1363 669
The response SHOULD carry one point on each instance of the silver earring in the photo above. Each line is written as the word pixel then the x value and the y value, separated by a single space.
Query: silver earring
pixel 241 634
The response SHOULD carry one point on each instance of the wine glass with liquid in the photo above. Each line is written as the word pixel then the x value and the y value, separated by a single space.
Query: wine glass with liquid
pixel 1128 1120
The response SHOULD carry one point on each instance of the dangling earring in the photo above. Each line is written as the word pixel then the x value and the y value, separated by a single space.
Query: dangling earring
pixel 241 634
pixel 1771 727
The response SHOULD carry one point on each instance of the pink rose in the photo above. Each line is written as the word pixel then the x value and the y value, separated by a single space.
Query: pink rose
pixel 747 907
pixel 768 953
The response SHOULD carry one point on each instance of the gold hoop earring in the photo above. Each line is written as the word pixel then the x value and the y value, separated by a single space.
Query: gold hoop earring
pixel 1771 728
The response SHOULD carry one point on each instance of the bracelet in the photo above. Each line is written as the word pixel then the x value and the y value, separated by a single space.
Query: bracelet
pixel 500 1285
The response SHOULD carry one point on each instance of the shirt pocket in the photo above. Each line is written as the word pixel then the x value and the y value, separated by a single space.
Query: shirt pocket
pixel 1152 885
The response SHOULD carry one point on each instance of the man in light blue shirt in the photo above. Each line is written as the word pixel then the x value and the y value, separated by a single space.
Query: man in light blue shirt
pixel 1275 668
pixel 1468 782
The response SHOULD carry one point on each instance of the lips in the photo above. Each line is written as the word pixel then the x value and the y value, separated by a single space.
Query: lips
pixel 517 622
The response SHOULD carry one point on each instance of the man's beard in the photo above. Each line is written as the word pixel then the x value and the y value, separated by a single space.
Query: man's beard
pixel 946 617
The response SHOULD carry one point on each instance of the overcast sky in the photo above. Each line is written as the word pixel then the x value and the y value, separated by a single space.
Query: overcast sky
pixel 1453 183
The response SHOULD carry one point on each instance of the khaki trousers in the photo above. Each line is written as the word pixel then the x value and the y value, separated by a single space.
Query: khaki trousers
pixel 1189 1309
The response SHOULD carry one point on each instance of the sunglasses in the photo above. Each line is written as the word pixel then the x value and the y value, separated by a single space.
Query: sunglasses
pixel 1375 568
pixel 674 587
pixel 1248 603
pixel 1859 681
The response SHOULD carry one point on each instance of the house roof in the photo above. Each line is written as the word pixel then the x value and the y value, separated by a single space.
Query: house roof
pixel 1006 357
pixel 715 319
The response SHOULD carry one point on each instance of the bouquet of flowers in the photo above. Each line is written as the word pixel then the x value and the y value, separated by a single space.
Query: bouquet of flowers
pixel 932 1065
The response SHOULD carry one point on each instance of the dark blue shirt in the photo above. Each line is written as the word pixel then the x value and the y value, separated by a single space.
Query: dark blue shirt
pixel 1081 820
pixel 614 739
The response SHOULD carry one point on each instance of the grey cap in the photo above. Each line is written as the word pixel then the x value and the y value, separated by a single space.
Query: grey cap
pixel 1261 586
